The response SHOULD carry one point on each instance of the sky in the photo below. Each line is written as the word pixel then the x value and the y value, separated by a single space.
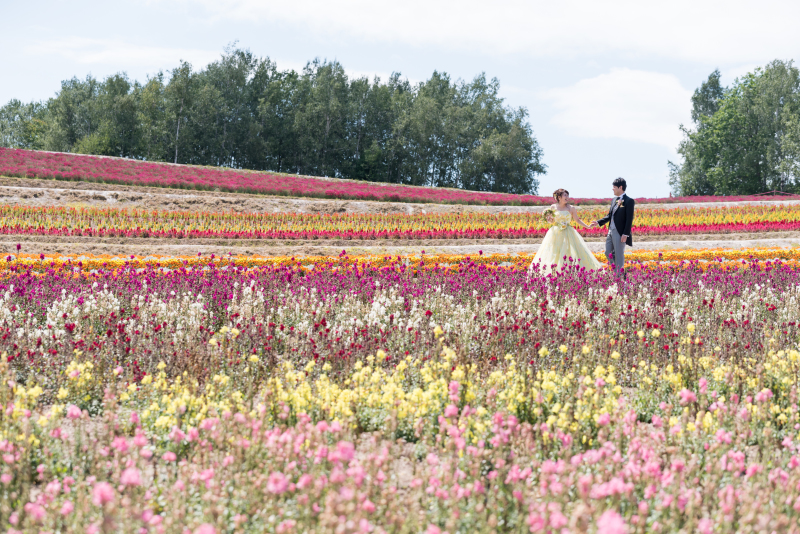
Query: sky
pixel 607 84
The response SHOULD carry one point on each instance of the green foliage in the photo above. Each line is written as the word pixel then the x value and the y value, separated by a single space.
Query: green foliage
pixel 745 139
pixel 242 112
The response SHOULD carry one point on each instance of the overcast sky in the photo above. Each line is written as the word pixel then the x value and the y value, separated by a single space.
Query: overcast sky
pixel 607 83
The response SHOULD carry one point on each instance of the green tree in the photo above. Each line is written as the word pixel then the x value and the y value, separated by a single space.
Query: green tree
pixel 738 145
pixel 23 125
pixel 153 117
pixel 179 96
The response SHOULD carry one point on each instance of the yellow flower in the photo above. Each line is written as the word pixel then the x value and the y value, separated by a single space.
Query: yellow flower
pixel 640 333
pixel 691 328
pixel 563 349
pixel 161 365
pixel 253 358
pixel 62 394
pixel 585 350
pixel 544 352
pixel 437 331
pixel 615 355
pixel 656 332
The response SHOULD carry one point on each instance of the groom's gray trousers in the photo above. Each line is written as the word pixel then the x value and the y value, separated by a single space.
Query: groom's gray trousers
pixel 615 250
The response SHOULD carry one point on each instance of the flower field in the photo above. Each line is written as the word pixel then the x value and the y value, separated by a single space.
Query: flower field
pixel 125 223
pixel 74 167
pixel 200 393
pixel 388 395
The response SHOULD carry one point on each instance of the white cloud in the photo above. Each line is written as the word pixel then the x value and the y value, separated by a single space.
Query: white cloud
pixel 120 54
pixel 624 104
pixel 724 31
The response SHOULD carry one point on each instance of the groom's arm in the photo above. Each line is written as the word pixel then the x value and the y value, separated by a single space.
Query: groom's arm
pixel 604 220
pixel 629 205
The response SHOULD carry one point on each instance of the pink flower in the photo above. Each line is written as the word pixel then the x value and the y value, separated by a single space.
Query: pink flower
pixel 433 529
pixel 130 477
pixel 703 383
pixel 102 493
pixel 687 397
pixel 35 511
pixel 368 506
pixel 73 412
pixel 67 508
pixel 604 419
pixel 277 483
pixel 450 411
pixel 6 478
pixel 611 523
pixel 169 456
pixel 120 444
pixel 657 421
pixel 763 395
pixel 705 526
pixel 205 528
pixel 346 450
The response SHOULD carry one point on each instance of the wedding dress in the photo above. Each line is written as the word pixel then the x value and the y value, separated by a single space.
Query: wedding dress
pixel 561 243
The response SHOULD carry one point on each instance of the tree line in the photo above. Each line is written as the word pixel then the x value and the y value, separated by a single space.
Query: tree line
pixel 745 138
pixel 243 112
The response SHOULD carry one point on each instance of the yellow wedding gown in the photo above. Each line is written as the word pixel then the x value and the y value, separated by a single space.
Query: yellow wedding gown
pixel 561 243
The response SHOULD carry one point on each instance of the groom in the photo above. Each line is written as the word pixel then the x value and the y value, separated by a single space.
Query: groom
pixel 620 214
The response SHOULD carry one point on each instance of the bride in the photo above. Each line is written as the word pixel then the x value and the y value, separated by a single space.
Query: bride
pixel 562 241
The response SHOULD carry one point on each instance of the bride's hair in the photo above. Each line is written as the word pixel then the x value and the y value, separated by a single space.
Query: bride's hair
pixel 559 193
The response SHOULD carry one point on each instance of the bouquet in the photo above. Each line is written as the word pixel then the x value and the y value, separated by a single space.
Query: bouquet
pixel 549 214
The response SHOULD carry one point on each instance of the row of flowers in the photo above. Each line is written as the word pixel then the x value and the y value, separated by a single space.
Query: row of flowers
pixel 115 222
pixel 48 165
pixel 708 258
pixel 136 317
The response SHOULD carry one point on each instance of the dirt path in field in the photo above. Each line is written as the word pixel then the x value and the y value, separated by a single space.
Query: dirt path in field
pixel 186 247
pixel 35 192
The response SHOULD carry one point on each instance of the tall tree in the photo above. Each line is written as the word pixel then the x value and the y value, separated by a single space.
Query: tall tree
pixel 179 96
pixel 23 125
pixel 738 144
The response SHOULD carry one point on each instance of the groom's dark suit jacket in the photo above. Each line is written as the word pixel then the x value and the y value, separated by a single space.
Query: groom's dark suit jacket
pixel 623 218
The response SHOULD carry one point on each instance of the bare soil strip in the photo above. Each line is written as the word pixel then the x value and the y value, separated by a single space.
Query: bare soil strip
pixel 190 247
pixel 37 192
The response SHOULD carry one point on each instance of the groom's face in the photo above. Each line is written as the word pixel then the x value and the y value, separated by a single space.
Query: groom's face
pixel 617 190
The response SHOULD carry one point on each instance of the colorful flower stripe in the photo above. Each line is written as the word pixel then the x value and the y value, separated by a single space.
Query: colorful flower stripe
pixel 90 262
pixel 115 222
pixel 58 166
